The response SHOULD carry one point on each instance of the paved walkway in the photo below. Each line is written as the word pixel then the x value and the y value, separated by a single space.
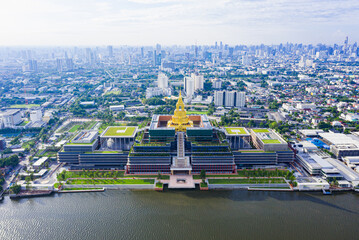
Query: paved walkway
pixel 181 181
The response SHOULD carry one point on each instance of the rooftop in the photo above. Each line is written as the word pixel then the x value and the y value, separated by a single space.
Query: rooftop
pixel 236 131
pixel 121 131
pixel 268 136
pixel 260 130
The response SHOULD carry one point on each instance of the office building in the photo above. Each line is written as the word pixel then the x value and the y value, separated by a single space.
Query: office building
pixel 162 81
pixel 36 115
pixel 189 87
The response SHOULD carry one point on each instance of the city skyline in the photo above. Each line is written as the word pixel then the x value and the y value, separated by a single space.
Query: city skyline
pixel 139 22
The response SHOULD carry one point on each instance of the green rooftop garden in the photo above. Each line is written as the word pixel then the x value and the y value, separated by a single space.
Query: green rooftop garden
pixel 261 130
pixel 24 123
pixel 71 143
pixel 120 131
pixel 236 130
pixel 102 152
pixel 74 128
pixel 271 141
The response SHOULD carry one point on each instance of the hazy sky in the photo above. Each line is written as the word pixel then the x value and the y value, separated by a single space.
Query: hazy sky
pixel 184 22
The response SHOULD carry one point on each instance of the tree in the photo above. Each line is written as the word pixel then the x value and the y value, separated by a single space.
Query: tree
pixel 159 175
pixel 203 174
pixel 27 179
pixel 16 188
pixel 62 176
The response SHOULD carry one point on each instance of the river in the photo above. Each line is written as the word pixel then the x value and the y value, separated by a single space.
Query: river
pixel 182 215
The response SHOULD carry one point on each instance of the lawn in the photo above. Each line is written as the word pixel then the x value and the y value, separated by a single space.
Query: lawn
pixel 246 181
pixel 103 152
pixel 110 181
pixel 120 131
pixel 251 151
pixel 159 185
pixel 211 176
pixel 24 123
pixel 24 105
pixel 271 141
pixel 237 131
pixel 204 184
pixel 260 130
pixel 74 128
pixel 108 174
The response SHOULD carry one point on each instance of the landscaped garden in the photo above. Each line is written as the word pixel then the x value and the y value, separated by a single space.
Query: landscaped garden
pixel 246 181
pixel 253 173
pixel 103 174
pixel 109 181
pixel 74 128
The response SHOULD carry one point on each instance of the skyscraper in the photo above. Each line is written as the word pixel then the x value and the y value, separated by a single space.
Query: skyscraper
pixel 219 98
pixel 110 51
pixel 198 80
pixel 229 98
pixel 59 65
pixel 240 99
pixel 162 81
pixel 189 86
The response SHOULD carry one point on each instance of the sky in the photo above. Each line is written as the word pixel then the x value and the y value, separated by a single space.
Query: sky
pixel 176 22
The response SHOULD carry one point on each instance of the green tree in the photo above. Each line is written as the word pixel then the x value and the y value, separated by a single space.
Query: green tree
pixel 16 188
pixel 27 179
pixel 203 174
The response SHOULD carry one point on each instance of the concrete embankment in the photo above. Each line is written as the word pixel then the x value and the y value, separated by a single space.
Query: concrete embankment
pixel 83 190
pixel 28 194
pixel 262 187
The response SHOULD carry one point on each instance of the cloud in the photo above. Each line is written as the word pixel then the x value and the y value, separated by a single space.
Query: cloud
pixel 176 21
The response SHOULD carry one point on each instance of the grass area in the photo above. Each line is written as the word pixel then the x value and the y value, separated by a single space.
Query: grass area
pixel 251 151
pixel 113 93
pixel 90 125
pixel 108 174
pixel 264 173
pixel 120 131
pixel 204 184
pixel 24 105
pixel 211 176
pixel 71 143
pixel 196 112
pixel 28 144
pixel 24 123
pixel 251 173
pixel 271 141
pixel 76 189
pixel 159 185
pixel 236 130
pixel 247 181
pixel 102 152
pixel 110 181
pixel 260 130
pixel 74 128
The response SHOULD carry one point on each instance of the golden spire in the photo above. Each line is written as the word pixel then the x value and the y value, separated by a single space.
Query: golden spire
pixel 180 120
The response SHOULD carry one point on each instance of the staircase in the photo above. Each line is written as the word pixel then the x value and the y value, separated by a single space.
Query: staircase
pixel 181 161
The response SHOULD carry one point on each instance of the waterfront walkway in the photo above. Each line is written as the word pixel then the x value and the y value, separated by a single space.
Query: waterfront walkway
pixel 181 181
